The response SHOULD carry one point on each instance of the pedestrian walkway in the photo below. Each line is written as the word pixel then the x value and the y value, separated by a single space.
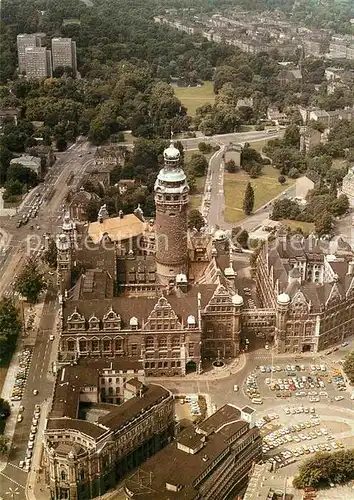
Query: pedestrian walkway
pixel 226 371
pixel 27 340
pixel 6 394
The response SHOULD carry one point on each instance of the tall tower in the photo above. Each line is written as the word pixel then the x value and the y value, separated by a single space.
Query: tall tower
pixel 64 262
pixel 171 201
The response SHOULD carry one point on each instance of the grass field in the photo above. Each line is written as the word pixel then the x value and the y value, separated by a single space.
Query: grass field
pixel 194 97
pixel 307 227
pixel 266 187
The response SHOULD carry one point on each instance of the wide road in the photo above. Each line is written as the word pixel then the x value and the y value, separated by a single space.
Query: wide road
pixel 20 241
pixel 234 137
pixel 38 378
pixel 215 184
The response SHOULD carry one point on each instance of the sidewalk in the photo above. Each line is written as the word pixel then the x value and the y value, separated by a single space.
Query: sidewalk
pixel 36 488
pixel 23 340
pixel 226 371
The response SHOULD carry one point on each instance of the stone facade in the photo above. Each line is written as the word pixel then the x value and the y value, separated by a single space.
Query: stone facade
pixel 171 200
pixel 210 461
pixel 87 451
pixel 311 293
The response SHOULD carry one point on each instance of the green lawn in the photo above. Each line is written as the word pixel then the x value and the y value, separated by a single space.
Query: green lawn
pixel 307 227
pixel 258 145
pixel 266 187
pixel 194 97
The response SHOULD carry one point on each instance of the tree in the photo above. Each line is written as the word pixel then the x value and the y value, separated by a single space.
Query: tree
pixel 326 468
pixel 242 238
pixel 51 254
pixel 195 220
pixel 282 179
pixel 292 136
pixel 61 143
pixel 198 165
pixel 10 326
pixel 3 445
pixel 205 147
pixel 30 283
pixel 348 367
pixel 340 205
pixel 5 409
pixel 248 200
pixel 323 223
pixel 230 166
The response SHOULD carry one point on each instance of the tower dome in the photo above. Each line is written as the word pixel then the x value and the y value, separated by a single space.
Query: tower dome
pixel 171 153
pixel 237 300
pixel 283 298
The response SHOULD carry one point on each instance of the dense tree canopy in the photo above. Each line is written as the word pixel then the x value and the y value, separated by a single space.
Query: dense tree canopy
pixel 10 326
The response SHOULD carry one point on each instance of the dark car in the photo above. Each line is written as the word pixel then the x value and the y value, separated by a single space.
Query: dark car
pixel 19 223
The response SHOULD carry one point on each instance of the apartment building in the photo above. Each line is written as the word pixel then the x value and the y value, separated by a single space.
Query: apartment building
pixel 38 62
pixel 64 53
pixel 25 40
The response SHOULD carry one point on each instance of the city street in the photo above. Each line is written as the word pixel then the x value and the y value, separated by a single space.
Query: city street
pixel 70 166
pixel 40 379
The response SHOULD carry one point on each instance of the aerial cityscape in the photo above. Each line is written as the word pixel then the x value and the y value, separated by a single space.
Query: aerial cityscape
pixel 177 250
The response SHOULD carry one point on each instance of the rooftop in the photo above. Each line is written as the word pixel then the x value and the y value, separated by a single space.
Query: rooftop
pixel 117 228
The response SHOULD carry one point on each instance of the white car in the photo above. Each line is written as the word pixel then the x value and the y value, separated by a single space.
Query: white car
pixel 51 337
pixel 236 388
pixel 35 392
pixel 19 418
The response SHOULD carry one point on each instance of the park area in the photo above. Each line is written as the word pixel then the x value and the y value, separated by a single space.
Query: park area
pixel 266 187
pixel 195 97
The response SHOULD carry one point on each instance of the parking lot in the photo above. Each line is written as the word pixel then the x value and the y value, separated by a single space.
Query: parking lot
pixel 21 376
pixel 303 383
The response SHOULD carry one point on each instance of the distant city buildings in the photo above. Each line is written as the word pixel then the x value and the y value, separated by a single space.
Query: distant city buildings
pixel 38 62
pixel 260 32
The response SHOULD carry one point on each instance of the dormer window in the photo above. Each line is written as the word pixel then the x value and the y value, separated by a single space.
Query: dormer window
pixel 191 322
pixel 133 323
pixel 94 323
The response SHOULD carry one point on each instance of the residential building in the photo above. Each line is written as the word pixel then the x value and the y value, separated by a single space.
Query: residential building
pixel 38 62
pixel 277 116
pixel 32 162
pixel 210 461
pixel 303 186
pixel 64 53
pixel 348 185
pixel 9 114
pixel 289 76
pixel 103 422
pixel 309 138
pixel 25 40
pixel 78 203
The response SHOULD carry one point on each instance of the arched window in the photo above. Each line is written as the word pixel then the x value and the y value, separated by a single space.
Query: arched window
pixel 63 475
